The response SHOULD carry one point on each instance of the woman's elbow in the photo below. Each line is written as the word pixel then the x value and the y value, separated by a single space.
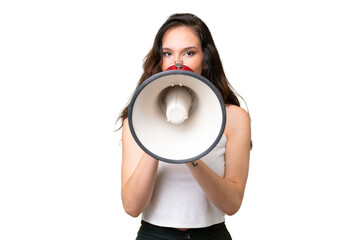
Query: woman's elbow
pixel 231 211
pixel 132 210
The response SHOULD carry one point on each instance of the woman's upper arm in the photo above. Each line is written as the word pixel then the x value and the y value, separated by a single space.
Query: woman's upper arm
pixel 238 133
pixel 131 153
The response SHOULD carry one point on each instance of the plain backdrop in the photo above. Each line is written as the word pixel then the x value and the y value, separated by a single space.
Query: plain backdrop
pixel 67 68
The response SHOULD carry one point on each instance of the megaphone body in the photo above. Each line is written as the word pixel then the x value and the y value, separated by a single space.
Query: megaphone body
pixel 177 116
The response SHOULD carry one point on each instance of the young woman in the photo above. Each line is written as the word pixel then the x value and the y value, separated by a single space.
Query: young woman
pixel 187 201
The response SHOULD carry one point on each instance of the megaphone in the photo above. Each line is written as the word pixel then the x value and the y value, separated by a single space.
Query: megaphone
pixel 177 116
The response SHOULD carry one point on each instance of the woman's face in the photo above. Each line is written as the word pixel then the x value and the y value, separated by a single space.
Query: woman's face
pixel 182 43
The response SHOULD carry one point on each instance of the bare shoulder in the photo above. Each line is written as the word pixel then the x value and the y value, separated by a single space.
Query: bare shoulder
pixel 234 110
pixel 125 129
pixel 236 118
pixel 126 122
pixel 127 139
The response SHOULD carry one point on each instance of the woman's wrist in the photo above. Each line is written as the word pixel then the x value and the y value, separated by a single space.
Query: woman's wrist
pixel 193 163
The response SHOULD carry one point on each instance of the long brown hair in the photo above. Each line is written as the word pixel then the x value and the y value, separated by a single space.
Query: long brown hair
pixel 214 71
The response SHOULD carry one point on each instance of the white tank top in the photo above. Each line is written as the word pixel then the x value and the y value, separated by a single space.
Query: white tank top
pixel 178 201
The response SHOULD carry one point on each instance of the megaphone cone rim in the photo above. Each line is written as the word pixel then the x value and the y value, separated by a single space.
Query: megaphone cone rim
pixel 173 72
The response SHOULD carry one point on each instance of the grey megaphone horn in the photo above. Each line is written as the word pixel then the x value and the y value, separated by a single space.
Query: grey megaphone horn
pixel 177 116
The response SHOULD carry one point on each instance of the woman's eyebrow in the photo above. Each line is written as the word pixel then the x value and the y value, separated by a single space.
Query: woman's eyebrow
pixel 192 47
pixel 184 49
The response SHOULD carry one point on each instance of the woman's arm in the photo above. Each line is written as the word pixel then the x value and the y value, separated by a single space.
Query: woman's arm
pixel 138 174
pixel 227 193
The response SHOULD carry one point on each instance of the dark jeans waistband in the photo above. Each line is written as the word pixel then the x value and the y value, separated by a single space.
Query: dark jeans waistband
pixel 149 231
pixel 190 230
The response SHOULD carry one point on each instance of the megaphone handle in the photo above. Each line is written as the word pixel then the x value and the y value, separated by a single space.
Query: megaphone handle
pixel 178 64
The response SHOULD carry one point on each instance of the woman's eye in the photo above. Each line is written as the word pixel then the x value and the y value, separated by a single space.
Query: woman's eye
pixel 189 53
pixel 167 54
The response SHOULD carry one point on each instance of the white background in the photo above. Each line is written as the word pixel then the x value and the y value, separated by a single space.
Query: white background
pixel 67 68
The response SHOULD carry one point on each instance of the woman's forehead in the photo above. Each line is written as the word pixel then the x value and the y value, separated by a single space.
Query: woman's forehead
pixel 180 36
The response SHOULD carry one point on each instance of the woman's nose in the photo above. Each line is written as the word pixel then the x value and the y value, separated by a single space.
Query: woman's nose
pixel 178 57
